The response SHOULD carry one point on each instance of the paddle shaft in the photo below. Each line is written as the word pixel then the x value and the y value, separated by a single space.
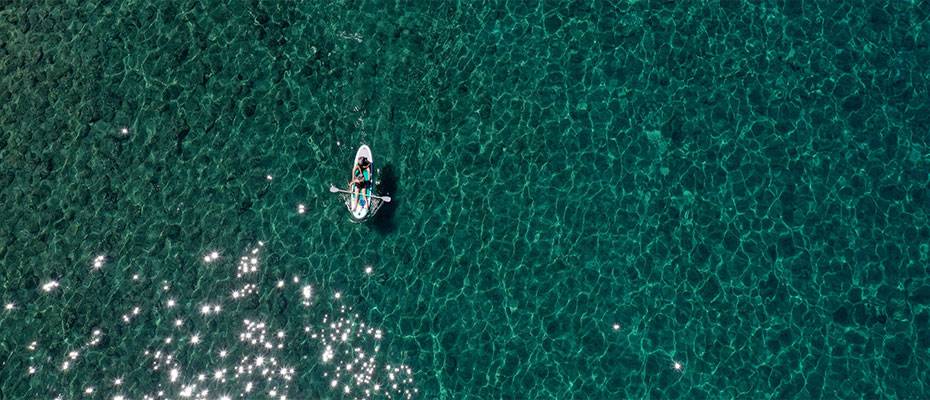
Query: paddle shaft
pixel 337 190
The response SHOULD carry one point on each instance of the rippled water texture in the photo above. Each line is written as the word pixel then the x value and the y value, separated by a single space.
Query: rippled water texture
pixel 604 200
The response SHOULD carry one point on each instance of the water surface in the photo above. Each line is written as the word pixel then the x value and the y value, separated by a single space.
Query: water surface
pixel 597 200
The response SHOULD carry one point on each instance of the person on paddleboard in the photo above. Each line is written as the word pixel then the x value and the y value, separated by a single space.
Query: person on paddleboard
pixel 362 165
pixel 359 178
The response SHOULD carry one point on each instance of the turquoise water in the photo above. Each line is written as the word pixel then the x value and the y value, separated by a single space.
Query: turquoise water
pixel 601 200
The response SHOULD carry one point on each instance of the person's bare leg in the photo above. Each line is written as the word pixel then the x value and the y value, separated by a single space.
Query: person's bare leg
pixel 354 201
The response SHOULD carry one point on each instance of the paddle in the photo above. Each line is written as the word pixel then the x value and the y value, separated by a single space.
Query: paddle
pixel 333 189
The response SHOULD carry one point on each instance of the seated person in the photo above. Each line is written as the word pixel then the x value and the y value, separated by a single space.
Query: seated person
pixel 361 178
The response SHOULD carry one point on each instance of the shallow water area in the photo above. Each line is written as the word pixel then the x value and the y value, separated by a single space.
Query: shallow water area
pixel 633 199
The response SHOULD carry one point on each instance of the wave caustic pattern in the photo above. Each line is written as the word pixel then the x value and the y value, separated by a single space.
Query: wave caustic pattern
pixel 629 199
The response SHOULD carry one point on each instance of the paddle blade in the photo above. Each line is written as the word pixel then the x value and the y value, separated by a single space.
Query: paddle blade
pixel 387 199
pixel 332 189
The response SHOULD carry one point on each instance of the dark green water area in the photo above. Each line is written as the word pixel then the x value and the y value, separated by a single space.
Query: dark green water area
pixel 592 200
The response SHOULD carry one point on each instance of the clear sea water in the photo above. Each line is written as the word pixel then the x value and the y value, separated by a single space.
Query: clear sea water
pixel 592 200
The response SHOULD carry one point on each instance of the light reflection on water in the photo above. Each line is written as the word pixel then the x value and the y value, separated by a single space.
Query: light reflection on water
pixel 351 352
pixel 253 360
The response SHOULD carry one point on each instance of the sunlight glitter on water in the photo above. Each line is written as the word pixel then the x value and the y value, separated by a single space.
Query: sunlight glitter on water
pixel 49 286
pixel 99 262
pixel 352 355
pixel 255 361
